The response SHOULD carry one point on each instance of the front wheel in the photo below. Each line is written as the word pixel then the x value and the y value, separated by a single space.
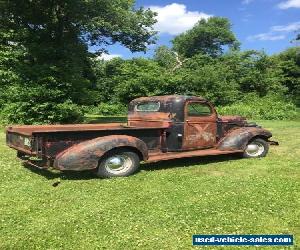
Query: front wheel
pixel 118 163
pixel 256 148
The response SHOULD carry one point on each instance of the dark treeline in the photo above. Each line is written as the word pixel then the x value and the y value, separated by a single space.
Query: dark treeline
pixel 47 74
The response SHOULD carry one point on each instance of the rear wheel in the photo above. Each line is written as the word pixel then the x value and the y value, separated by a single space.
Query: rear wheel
pixel 118 163
pixel 256 148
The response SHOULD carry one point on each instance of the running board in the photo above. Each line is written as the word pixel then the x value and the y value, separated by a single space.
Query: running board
pixel 155 157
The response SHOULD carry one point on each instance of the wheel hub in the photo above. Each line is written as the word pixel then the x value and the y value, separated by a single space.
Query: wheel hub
pixel 255 149
pixel 117 164
pixel 114 162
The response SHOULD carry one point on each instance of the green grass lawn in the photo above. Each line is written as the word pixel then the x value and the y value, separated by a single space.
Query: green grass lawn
pixel 160 207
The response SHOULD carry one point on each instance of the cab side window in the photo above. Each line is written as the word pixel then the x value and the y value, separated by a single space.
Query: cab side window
pixel 198 109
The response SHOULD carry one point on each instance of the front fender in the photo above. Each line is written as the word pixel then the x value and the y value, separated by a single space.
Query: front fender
pixel 237 139
pixel 86 155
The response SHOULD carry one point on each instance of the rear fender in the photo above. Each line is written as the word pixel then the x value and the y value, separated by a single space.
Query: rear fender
pixel 86 155
pixel 237 139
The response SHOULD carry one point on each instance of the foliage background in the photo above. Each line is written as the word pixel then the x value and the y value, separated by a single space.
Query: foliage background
pixel 47 74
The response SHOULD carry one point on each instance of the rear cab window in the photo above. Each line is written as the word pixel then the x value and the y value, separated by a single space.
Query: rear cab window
pixel 150 106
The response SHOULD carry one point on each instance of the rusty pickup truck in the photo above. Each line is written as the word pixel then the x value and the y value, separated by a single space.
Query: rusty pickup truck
pixel 158 128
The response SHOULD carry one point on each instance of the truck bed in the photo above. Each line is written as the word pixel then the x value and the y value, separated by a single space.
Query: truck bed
pixel 49 140
pixel 29 130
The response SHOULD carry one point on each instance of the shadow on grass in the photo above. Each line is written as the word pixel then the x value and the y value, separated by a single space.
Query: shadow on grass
pixel 51 174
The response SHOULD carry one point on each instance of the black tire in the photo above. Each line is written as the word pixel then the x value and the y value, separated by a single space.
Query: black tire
pixel 118 163
pixel 256 148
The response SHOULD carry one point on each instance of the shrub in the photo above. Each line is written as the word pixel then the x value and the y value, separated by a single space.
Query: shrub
pixel 28 113
pixel 269 107
pixel 107 109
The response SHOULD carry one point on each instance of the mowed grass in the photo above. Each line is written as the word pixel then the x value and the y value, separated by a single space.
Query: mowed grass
pixel 160 207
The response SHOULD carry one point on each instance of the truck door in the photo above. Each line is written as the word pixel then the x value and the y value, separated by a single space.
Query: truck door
pixel 200 125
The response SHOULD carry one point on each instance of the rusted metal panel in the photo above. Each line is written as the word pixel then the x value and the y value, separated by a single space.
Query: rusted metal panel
pixel 86 155
pixel 171 108
pixel 233 119
pixel 172 114
pixel 227 123
pixel 35 129
pixel 147 119
pixel 237 139
pixel 48 143
pixel 199 135
pixel 19 142
pixel 159 156
pixel 149 124
pixel 54 147
pixel 57 142
pixel 200 131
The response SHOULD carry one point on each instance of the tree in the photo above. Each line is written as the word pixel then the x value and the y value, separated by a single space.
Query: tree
pixel 203 75
pixel 207 37
pixel 55 67
pixel 165 57
pixel 255 72
pixel 9 59
pixel 106 72
pixel 124 80
pixel 226 78
pixel 289 63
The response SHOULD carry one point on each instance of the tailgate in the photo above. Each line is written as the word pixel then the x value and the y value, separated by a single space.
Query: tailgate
pixel 19 141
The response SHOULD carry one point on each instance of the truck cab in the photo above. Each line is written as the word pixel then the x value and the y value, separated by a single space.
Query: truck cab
pixel 191 121
pixel 158 128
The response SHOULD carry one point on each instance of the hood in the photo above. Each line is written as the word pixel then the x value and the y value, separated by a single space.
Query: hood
pixel 232 118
